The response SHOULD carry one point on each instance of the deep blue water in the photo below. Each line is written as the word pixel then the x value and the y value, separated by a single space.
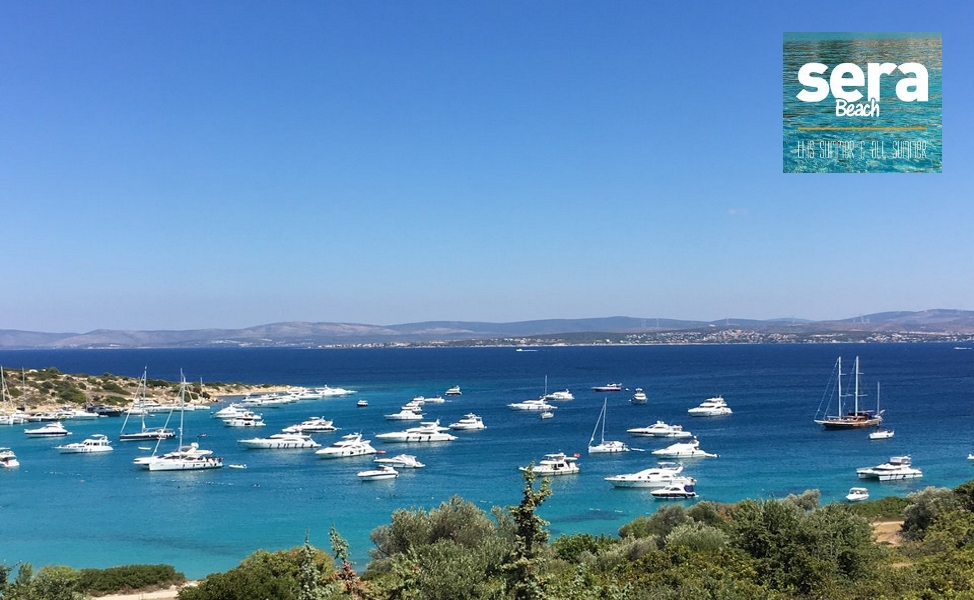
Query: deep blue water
pixel 99 511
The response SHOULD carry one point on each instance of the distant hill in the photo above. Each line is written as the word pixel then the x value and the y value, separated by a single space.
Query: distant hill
pixel 638 330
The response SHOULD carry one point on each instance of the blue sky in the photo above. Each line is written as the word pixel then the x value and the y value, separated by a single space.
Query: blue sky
pixel 178 165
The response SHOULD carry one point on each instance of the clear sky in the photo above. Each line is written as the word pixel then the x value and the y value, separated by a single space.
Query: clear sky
pixel 182 164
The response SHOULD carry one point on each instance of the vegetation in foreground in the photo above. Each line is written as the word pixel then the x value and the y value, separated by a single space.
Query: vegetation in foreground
pixel 756 549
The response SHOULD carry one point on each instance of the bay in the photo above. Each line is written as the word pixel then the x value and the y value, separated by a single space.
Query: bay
pixel 100 511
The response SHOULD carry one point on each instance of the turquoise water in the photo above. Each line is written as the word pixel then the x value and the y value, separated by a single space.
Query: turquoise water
pixel 99 511
pixel 907 151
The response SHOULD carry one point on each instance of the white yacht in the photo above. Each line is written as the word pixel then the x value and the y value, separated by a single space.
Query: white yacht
pixel 434 400
pixel 8 459
pixel 350 445
pixel 711 407
pixel 249 419
pixel 427 431
pixel 96 443
pixel 148 433
pixel 538 404
pixel 681 489
pixel 52 429
pixel 638 397
pixel 265 401
pixel 554 464
pixel 405 414
pixel 401 461
pixel 881 434
pixel 453 391
pixel 185 458
pixel 318 424
pixel 660 429
pixel 331 392
pixel 469 421
pixel 898 467
pixel 563 395
pixel 281 440
pixel 609 387
pixel 380 472
pixel 231 411
pixel 654 477
pixel 857 494
pixel 689 449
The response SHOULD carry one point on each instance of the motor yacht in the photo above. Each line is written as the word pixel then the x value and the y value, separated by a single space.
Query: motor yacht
pixel 453 391
pixel 857 494
pixel 638 397
pixel 711 407
pixel 350 445
pixel 433 400
pixel 380 472
pixel 405 414
pixel 249 419
pixel 427 431
pixel 469 421
pixel 538 404
pixel 682 489
pixel 96 443
pixel 689 449
pixel 563 395
pixel 654 477
pixel 316 424
pixel 331 392
pixel 8 459
pixel 609 387
pixel 400 461
pixel 52 429
pixel 554 464
pixel 281 440
pixel 660 429
pixel 184 458
pixel 898 467
pixel 265 401
pixel 231 411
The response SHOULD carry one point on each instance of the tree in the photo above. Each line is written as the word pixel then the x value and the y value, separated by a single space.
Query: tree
pixel 525 581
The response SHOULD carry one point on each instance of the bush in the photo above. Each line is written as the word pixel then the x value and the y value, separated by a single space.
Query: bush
pixel 128 578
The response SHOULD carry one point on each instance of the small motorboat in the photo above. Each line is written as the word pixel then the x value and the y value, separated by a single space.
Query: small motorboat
pixel 401 461
pixel 857 494
pixel 237 466
pixel 609 387
pixel 382 472
pixel 881 434
pixel 453 391
pixel 362 403
pixel 679 490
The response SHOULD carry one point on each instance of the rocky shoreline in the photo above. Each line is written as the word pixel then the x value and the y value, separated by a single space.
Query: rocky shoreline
pixel 43 390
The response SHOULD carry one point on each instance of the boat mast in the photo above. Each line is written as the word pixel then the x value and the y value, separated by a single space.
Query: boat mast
pixel 857 388
pixel 840 388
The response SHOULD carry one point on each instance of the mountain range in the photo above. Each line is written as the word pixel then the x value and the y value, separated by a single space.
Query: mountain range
pixel 929 324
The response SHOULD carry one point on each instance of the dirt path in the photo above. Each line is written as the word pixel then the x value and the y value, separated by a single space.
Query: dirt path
pixel 888 532
pixel 167 594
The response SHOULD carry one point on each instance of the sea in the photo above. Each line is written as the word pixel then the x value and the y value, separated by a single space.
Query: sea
pixel 99 511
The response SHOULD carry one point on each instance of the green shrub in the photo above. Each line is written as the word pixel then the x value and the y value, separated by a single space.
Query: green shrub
pixel 128 578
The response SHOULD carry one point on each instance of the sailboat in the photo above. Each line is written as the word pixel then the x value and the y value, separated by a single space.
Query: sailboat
pixel 604 446
pixel 146 433
pixel 851 419
pixel 881 433
pixel 9 418
pixel 184 458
